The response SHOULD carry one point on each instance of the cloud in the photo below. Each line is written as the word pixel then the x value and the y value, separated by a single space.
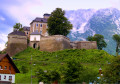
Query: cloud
pixel 2 18
pixel 3 40
pixel 24 11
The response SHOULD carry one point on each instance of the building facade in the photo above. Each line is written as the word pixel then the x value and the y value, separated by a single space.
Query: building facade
pixel 7 69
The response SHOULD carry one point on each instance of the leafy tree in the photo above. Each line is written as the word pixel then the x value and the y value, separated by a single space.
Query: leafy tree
pixel 112 71
pixel 99 39
pixel 18 27
pixel 47 77
pixel 73 72
pixel 58 24
pixel 116 38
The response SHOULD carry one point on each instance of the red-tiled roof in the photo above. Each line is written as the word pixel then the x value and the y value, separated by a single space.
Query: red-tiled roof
pixel 6 55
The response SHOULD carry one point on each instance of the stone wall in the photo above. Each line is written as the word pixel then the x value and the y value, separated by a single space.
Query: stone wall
pixel 84 45
pixel 16 44
pixel 54 43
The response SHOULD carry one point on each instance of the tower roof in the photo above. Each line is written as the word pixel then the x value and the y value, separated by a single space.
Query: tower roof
pixel 37 19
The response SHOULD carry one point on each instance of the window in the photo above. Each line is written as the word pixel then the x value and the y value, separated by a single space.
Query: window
pixel 40 25
pixel 10 77
pixel 4 77
pixel 37 25
pixel 40 32
pixel 27 32
pixel 9 67
pixel 5 67
pixel 0 67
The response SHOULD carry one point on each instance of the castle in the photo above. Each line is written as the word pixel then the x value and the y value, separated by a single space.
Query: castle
pixel 36 36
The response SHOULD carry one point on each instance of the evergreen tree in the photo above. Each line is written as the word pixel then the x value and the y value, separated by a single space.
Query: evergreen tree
pixel 58 24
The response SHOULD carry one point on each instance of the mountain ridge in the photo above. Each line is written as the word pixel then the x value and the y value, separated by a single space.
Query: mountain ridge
pixel 87 22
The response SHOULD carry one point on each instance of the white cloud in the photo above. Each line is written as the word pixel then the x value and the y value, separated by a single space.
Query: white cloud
pixel 25 11
pixel 3 40
pixel 2 18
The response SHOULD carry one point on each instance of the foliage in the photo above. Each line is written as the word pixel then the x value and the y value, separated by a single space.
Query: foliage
pixel 58 24
pixel 74 72
pixel 24 69
pixel 48 76
pixel 116 38
pixel 18 27
pixel 99 39
pixel 112 71
pixel 57 61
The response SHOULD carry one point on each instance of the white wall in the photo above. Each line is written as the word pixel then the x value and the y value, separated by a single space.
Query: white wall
pixel 32 37
pixel 7 77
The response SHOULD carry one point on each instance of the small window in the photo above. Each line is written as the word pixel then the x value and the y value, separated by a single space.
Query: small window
pixel 10 77
pixel 40 25
pixel 40 32
pixel 0 67
pixel 9 67
pixel 5 67
pixel 4 77
pixel 37 25
pixel 27 32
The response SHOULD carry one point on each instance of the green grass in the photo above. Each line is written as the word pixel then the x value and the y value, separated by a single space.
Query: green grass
pixel 92 59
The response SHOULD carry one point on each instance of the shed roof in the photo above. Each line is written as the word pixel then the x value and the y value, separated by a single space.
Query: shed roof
pixel 8 57
pixel 17 33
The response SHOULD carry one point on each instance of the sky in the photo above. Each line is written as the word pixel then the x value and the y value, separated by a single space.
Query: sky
pixel 24 11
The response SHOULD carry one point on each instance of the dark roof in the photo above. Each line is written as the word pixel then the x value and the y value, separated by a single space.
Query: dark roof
pixel 35 33
pixel 25 28
pixel 6 55
pixel 44 20
pixel 46 14
pixel 17 33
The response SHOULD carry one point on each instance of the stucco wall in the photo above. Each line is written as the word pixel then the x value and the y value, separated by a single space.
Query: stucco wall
pixel 16 44
pixel 34 37
pixel 54 43
pixel 7 77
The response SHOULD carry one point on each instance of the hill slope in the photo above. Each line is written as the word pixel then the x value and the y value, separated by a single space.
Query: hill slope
pixel 92 59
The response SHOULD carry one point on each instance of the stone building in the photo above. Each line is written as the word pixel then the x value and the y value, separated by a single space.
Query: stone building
pixel 83 45
pixel 54 43
pixel 17 42
pixel 39 38
pixel 27 31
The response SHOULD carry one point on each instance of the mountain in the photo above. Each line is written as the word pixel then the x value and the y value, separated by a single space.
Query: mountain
pixel 87 22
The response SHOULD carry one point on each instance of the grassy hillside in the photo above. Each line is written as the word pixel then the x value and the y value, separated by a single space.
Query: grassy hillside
pixel 32 59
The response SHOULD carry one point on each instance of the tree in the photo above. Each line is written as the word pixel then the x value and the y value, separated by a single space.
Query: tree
pixel 58 24
pixel 18 27
pixel 99 39
pixel 116 38
pixel 47 77
pixel 74 72
pixel 112 71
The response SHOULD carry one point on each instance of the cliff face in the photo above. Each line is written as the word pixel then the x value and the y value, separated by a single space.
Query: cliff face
pixel 16 44
pixel 54 43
